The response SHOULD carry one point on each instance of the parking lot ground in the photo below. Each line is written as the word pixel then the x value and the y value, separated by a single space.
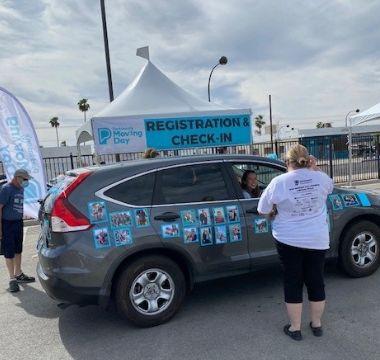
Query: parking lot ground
pixel 369 185
pixel 234 318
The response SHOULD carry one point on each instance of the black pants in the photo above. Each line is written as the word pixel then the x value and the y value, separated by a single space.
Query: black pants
pixel 302 266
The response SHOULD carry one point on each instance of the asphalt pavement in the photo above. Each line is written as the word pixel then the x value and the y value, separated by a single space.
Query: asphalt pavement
pixel 234 318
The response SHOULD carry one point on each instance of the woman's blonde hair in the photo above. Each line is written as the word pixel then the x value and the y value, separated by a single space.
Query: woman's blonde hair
pixel 298 156
pixel 150 153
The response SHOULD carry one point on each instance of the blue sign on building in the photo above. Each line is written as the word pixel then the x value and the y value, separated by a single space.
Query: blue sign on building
pixel 198 131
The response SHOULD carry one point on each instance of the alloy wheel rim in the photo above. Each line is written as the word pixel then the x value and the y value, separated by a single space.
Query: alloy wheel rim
pixel 152 291
pixel 364 249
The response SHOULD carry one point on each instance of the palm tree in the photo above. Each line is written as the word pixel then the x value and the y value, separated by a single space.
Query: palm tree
pixel 55 124
pixel 321 125
pixel 259 123
pixel 83 106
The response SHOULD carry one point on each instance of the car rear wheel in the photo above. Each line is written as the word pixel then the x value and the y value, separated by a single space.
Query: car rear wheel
pixel 150 290
pixel 360 249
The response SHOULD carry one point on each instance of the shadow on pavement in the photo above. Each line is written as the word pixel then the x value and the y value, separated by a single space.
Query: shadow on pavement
pixel 218 316
pixel 35 302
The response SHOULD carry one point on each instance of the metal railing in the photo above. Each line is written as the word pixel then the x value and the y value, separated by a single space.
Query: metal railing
pixel 331 152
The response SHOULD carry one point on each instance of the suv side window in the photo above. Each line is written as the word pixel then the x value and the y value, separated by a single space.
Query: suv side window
pixel 137 191
pixel 191 183
pixel 265 173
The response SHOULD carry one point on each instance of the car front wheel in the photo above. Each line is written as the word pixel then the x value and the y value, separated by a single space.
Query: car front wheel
pixel 150 290
pixel 360 249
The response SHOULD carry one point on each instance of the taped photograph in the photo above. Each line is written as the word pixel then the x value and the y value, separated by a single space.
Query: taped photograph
pixel 170 231
pixel 97 211
pixel 235 232
pixel 219 215
pixel 206 236
pixel 260 225
pixel 141 217
pixel 233 214
pixel 101 238
pixel 350 200
pixel 204 216
pixel 220 234
pixel 123 237
pixel 336 202
pixel 120 219
pixel 190 235
pixel 189 217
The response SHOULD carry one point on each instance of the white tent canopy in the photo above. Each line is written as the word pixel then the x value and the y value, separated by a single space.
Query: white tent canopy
pixel 151 92
pixel 372 113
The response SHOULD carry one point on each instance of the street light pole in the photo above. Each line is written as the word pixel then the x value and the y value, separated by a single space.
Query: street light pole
pixel 279 130
pixel 350 146
pixel 222 61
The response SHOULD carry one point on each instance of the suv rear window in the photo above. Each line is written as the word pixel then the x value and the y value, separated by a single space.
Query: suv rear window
pixel 136 191
pixel 191 183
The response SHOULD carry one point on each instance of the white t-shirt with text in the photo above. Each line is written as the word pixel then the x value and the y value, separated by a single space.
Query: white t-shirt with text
pixel 300 197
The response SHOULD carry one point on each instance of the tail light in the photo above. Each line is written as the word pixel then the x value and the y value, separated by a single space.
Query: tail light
pixel 64 216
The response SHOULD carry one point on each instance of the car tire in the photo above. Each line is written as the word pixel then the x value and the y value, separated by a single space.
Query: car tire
pixel 360 249
pixel 150 290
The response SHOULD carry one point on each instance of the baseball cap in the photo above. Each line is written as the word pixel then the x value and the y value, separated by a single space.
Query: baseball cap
pixel 22 173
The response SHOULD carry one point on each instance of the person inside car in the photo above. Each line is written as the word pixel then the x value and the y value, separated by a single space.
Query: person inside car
pixel 250 185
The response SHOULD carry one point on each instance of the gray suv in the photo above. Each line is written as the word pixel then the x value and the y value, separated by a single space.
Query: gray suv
pixel 143 232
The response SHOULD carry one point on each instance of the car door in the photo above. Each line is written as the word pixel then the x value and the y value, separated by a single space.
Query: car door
pixel 195 211
pixel 260 240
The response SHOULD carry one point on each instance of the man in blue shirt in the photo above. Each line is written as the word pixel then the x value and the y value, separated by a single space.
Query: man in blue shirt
pixel 11 230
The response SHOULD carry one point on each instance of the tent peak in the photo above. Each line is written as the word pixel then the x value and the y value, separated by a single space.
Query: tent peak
pixel 143 52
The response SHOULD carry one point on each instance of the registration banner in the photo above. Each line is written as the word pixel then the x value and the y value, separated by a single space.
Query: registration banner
pixel 136 134
pixel 198 131
pixel 19 148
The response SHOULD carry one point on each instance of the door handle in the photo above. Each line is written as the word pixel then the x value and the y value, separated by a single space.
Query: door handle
pixel 167 216
pixel 252 211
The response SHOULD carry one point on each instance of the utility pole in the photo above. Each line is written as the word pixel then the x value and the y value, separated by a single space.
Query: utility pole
pixel 270 121
pixel 106 49
pixel 108 62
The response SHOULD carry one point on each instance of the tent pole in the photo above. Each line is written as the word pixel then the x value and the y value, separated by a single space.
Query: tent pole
pixel 79 157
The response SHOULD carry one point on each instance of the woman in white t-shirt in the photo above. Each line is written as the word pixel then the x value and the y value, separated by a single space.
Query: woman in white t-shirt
pixel 300 227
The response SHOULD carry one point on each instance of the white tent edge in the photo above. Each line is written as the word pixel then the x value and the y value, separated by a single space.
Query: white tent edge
pixel 371 114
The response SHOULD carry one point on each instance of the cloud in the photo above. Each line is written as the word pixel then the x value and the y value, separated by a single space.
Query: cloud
pixel 318 59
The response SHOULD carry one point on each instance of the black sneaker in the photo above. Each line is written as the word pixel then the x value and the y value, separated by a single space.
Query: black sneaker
pixel 295 335
pixel 13 286
pixel 22 279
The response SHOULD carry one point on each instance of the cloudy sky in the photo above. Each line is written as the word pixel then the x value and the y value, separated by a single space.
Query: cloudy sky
pixel 318 59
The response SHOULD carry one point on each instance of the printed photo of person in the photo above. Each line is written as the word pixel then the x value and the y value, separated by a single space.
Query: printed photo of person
pixel 235 232
pixel 190 235
pixel 260 225
pixel 350 200
pixel 188 217
pixel 336 202
pixel 142 217
pixel 204 216
pixel 120 219
pixel 122 237
pixel 219 215
pixel 170 231
pixel 101 238
pixel 206 236
pixel 97 211
pixel 220 234
pixel 232 213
